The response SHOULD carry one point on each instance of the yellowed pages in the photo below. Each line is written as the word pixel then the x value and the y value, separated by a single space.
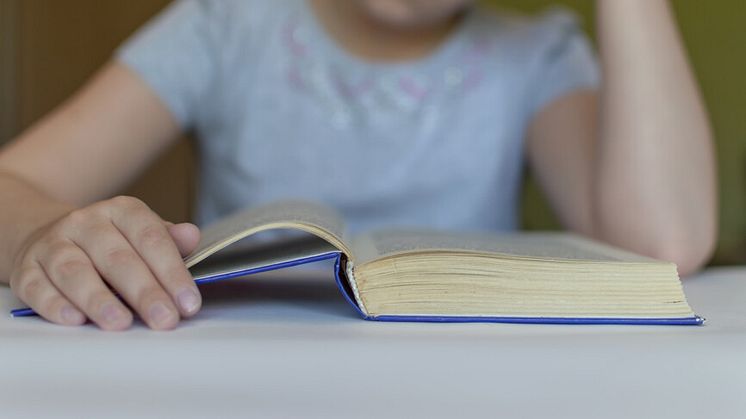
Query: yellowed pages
pixel 544 245
pixel 425 273
pixel 305 216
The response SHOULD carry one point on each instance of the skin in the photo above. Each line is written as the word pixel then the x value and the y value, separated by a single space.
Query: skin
pixel 631 165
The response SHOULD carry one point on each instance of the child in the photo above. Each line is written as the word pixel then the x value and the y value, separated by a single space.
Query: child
pixel 394 111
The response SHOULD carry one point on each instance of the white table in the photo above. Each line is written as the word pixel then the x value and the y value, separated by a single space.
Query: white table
pixel 288 346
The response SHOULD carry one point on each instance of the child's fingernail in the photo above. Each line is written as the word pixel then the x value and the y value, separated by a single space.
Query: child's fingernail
pixel 111 313
pixel 188 300
pixel 160 315
pixel 72 316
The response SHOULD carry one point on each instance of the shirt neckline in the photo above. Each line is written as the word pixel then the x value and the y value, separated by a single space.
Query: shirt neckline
pixel 330 47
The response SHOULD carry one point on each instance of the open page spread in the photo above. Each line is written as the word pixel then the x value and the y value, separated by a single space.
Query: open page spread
pixel 549 246
pixel 312 218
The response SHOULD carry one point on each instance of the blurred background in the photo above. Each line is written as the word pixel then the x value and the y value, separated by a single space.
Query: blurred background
pixel 48 48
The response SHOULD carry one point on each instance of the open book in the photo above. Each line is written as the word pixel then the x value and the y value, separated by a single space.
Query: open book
pixel 397 275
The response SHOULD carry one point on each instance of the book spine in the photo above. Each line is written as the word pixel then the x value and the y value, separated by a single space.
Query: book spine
pixel 343 276
pixel 350 271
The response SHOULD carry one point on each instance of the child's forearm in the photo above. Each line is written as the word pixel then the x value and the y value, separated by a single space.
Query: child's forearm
pixel 26 210
pixel 67 263
pixel 655 187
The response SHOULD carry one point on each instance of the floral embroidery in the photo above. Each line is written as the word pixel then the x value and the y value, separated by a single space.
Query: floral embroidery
pixel 379 96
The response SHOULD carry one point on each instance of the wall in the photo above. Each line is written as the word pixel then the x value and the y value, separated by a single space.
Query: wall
pixel 8 59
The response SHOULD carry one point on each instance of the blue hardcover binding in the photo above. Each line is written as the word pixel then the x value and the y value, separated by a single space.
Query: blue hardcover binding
pixel 347 293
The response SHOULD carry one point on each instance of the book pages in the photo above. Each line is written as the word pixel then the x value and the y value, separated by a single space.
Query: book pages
pixel 301 215
pixel 550 246
pixel 246 256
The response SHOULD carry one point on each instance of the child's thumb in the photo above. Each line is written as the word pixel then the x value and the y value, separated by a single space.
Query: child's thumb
pixel 185 235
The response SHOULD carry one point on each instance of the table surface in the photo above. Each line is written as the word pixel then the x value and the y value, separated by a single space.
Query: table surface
pixel 287 345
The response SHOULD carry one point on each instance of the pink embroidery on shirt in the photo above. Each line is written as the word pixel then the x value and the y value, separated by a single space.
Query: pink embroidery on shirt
pixel 409 86
pixel 289 32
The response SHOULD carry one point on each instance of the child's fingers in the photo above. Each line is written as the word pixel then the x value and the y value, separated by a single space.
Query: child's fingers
pixel 185 235
pixel 32 286
pixel 122 267
pixel 156 247
pixel 120 242
pixel 146 233
pixel 72 273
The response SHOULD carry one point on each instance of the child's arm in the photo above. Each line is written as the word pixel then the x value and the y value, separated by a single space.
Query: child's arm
pixel 634 166
pixel 57 243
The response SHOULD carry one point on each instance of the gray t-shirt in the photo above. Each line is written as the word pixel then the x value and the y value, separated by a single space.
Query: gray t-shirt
pixel 282 111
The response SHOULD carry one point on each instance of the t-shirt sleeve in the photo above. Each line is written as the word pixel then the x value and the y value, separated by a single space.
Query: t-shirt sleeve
pixel 566 61
pixel 174 55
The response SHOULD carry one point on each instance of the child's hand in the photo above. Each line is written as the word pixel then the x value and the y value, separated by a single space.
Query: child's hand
pixel 64 268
